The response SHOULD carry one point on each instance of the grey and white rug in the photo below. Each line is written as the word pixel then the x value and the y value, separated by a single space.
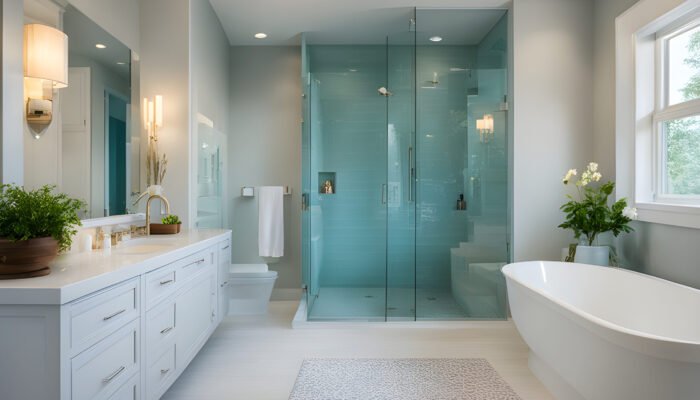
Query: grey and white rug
pixel 400 379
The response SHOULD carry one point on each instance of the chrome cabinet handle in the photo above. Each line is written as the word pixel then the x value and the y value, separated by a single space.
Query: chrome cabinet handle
pixel 224 284
pixel 166 330
pixel 165 371
pixel 113 374
pixel 199 261
pixel 167 282
pixel 227 246
pixel 107 318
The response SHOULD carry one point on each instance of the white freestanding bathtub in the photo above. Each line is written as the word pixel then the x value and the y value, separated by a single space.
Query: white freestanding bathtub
pixel 602 333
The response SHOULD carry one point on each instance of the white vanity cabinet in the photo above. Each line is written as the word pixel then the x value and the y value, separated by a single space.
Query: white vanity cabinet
pixel 129 339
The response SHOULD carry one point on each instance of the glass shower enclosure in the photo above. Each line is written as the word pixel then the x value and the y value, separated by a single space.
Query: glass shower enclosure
pixel 405 169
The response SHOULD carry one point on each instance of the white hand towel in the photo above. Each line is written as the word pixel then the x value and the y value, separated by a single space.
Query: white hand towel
pixel 271 221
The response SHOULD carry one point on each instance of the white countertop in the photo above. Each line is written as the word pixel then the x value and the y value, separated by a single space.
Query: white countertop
pixel 75 275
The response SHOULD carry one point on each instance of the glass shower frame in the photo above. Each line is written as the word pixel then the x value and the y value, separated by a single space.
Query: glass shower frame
pixel 403 199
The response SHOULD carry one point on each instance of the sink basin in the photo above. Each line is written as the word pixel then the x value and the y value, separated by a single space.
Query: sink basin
pixel 142 246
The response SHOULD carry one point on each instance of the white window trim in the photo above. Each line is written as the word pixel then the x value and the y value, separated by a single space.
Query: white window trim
pixel 637 106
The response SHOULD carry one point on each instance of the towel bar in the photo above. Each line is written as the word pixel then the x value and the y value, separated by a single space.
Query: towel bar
pixel 249 191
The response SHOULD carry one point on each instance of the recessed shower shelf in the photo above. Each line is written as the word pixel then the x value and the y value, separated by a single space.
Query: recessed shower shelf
pixel 327 183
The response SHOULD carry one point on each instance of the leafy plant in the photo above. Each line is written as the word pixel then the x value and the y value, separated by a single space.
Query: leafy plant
pixel 171 220
pixel 590 215
pixel 38 213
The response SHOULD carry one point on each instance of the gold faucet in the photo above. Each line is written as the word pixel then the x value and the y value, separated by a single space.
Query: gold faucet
pixel 148 210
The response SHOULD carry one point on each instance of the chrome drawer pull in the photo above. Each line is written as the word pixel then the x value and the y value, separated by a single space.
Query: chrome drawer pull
pixel 167 282
pixel 165 371
pixel 166 330
pixel 114 374
pixel 199 261
pixel 227 246
pixel 107 318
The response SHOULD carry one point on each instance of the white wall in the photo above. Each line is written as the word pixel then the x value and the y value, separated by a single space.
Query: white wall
pixel 164 70
pixel 553 105
pixel 265 149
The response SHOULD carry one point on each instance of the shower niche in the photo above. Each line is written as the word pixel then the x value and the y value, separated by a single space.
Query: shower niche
pixel 327 183
pixel 391 246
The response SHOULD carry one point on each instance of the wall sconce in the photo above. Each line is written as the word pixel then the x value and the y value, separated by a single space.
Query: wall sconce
pixel 156 165
pixel 485 128
pixel 45 69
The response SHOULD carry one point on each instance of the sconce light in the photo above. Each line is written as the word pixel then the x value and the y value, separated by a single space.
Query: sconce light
pixel 45 69
pixel 485 128
pixel 156 163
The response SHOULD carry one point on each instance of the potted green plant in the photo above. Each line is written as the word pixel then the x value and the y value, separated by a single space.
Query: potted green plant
pixel 35 226
pixel 590 214
pixel 170 225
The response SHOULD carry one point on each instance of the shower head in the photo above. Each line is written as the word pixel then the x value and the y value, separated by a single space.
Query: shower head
pixel 384 92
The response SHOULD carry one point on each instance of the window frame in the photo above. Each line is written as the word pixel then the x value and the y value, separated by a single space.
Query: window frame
pixel 636 105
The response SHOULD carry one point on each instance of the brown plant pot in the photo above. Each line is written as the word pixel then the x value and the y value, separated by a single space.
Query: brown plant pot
pixel 27 258
pixel 165 229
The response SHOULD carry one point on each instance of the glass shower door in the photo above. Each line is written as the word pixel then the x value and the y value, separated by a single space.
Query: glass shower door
pixel 401 210
pixel 346 152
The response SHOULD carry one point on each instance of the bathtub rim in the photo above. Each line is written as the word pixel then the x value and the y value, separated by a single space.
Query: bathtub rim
pixel 638 341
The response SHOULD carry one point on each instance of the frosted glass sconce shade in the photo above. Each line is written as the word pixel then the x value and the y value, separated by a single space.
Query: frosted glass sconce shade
pixel 46 54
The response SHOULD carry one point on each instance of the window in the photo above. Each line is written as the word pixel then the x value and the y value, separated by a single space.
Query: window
pixel 677 116
pixel 657 111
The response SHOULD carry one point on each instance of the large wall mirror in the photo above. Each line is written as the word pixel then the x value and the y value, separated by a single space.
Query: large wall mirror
pixel 92 149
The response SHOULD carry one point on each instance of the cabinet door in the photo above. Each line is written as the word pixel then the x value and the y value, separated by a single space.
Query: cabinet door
pixel 195 316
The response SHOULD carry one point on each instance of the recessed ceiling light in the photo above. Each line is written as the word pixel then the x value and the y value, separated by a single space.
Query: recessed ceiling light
pixel 352 70
pixel 100 46
pixel 121 63
pixel 260 35
pixel 436 39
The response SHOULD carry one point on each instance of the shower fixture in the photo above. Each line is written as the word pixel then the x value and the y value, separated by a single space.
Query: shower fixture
pixel 384 92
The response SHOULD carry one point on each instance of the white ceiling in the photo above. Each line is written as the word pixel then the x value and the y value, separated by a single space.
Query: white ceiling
pixel 345 21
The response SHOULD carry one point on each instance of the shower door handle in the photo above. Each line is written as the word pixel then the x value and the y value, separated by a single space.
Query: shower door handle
pixel 383 193
pixel 411 171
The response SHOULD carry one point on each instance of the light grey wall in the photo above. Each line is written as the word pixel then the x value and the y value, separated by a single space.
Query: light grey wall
pixel 165 71
pixel 265 149
pixel 552 108
pixel 12 103
pixel 210 74
pixel 118 17
pixel 665 251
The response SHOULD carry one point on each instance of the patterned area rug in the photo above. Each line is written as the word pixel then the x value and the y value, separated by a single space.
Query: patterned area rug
pixel 400 379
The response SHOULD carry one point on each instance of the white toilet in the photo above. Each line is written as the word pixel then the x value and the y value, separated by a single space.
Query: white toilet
pixel 250 288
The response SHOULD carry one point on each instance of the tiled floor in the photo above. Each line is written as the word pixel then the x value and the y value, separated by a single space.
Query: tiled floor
pixel 258 358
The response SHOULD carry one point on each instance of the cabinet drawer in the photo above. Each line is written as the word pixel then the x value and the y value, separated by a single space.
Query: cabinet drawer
pixel 128 391
pixel 159 374
pixel 160 284
pixel 99 315
pixel 99 371
pixel 160 329
pixel 190 266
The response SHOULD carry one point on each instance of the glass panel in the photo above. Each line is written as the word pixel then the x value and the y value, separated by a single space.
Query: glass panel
pixel 348 158
pixel 401 212
pixel 681 170
pixel 209 184
pixel 311 287
pixel 461 227
pixel 684 66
